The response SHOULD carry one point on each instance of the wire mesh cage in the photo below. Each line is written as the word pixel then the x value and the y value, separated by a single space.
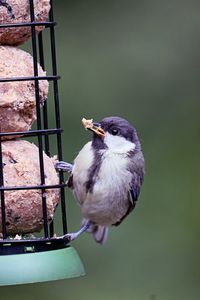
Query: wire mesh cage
pixel 47 244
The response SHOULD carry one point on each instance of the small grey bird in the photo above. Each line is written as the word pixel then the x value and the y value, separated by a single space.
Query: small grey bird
pixel 106 176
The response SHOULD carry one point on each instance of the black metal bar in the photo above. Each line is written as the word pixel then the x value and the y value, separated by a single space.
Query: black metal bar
pixel 3 210
pixel 8 247
pixel 32 187
pixel 45 110
pixel 29 78
pixel 39 125
pixel 57 112
pixel 41 240
pixel 28 24
pixel 45 115
pixel 33 132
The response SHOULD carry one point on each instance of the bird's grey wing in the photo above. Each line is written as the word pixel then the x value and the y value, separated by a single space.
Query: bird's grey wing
pixel 136 185
pixel 133 195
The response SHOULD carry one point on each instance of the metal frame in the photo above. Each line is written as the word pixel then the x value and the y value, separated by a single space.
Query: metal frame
pixel 11 246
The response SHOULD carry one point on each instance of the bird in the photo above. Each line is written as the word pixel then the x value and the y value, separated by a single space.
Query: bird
pixel 106 176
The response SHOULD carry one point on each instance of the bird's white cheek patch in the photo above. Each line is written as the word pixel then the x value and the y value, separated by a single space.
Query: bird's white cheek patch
pixel 118 144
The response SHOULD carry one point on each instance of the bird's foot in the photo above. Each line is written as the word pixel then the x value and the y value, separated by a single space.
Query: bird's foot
pixel 70 236
pixel 64 166
pixel 74 235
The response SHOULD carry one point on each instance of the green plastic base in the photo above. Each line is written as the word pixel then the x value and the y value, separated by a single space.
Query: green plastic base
pixel 40 266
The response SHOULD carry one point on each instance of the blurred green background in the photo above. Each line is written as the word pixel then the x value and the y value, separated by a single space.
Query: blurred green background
pixel 139 60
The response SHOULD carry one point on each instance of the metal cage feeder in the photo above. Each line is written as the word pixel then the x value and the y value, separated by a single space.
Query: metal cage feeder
pixel 46 258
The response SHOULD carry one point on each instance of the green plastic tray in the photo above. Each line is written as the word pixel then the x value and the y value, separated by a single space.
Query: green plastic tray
pixel 40 266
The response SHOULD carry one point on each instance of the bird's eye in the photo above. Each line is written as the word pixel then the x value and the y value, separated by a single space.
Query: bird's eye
pixel 114 131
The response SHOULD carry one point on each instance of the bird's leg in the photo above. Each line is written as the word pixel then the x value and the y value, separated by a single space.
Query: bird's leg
pixel 72 236
pixel 62 165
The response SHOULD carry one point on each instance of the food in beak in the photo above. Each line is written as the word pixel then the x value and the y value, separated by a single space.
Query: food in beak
pixel 88 124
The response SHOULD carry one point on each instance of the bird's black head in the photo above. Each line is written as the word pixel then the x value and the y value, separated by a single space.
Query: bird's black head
pixel 117 126
pixel 116 131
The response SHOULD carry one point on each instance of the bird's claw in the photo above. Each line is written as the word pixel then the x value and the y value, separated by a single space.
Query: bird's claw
pixel 64 166
pixel 74 235
pixel 70 236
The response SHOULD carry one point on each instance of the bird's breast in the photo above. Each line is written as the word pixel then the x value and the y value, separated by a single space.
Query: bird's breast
pixel 107 202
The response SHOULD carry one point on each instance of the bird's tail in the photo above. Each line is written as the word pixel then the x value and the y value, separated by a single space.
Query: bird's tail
pixel 99 232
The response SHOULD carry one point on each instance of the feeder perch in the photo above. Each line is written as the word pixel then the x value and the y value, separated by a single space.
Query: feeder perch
pixel 24 192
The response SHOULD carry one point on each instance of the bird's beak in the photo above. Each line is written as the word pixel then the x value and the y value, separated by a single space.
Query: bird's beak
pixel 93 126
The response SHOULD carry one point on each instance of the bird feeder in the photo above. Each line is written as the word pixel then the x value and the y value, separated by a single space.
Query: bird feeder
pixel 30 188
